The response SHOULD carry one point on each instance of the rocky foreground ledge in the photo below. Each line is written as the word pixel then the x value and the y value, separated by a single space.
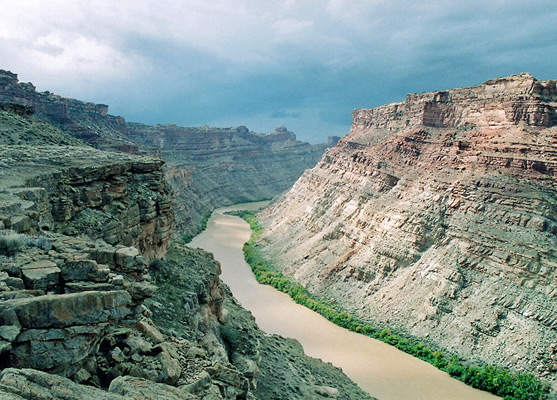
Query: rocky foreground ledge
pixel 82 191
pixel 82 233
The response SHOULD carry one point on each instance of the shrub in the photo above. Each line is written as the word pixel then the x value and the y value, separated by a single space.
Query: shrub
pixel 12 243
pixel 229 334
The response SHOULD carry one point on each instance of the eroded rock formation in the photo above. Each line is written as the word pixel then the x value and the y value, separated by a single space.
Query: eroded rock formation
pixel 77 190
pixel 214 167
pixel 438 216
pixel 80 316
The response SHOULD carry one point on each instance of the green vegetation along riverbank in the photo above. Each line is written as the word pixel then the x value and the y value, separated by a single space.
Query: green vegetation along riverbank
pixel 494 379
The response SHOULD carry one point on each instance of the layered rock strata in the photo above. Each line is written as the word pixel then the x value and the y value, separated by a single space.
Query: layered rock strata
pixel 62 296
pixel 77 312
pixel 86 121
pixel 438 216
pixel 23 129
pixel 77 190
pixel 214 167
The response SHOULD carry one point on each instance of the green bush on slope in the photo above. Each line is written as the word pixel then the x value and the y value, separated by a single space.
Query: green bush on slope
pixel 202 226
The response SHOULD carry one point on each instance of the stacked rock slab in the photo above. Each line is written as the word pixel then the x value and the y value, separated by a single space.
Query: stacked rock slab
pixel 70 303
pixel 438 216
pixel 61 296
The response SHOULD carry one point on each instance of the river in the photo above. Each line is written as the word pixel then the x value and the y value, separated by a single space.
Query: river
pixel 381 370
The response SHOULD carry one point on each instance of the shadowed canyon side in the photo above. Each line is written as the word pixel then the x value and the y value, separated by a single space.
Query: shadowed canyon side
pixel 214 167
pixel 437 216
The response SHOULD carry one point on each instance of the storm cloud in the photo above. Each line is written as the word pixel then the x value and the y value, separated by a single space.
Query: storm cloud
pixel 305 64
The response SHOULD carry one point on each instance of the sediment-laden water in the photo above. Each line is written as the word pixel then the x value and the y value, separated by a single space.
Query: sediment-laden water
pixel 382 370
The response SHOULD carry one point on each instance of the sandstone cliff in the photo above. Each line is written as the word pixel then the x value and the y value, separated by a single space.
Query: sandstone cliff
pixel 82 191
pixel 438 216
pixel 215 167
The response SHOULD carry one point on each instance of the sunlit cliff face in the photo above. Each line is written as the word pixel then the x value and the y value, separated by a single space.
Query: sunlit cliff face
pixel 436 215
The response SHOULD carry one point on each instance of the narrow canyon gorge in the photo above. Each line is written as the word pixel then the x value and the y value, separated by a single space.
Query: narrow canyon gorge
pixel 435 217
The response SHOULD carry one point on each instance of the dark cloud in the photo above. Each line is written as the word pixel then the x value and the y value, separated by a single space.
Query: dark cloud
pixel 305 64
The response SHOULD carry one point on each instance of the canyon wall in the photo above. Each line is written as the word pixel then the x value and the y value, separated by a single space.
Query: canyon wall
pixel 437 216
pixel 85 121
pixel 215 167
pixel 85 235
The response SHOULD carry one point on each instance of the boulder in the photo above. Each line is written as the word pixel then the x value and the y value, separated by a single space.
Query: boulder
pixel 64 310
pixel 84 270
pixel 148 329
pixel 326 391
pixel 125 259
pixel 170 367
pixel 42 274
pixel 31 384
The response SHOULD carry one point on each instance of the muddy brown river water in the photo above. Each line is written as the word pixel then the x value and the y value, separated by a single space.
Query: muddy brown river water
pixel 381 370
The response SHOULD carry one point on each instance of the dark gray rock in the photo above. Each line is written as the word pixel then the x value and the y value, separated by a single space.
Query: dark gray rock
pixel 31 384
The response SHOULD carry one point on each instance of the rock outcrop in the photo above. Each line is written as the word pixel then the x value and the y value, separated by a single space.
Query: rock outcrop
pixel 438 216
pixel 82 191
pixel 61 297
pixel 214 167
pixel 88 122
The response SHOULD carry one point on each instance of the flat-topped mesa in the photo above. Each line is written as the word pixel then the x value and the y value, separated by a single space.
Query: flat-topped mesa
pixel 506 125
pixel 202 141
pixel 518 99
pixel 438 216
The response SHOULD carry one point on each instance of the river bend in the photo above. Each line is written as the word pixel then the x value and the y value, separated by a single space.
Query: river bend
pixel 381 370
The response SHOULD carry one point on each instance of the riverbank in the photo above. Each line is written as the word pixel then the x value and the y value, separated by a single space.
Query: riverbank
pixel 493 379
pixel 382 370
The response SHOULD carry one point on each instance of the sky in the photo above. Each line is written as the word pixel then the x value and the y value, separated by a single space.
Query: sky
pixel 305 64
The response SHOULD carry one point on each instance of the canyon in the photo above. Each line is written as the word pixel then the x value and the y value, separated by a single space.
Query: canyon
pixel 99 298
pixel 437 217
pixel 214 167
pixel 206 167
